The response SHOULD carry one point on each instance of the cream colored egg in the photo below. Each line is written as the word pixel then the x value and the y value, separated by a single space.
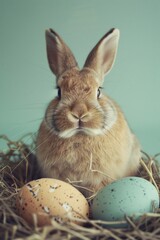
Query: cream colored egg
pixel 46 199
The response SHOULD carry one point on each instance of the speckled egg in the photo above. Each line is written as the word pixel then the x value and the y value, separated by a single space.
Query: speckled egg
pixel 130 196
pixel 45 199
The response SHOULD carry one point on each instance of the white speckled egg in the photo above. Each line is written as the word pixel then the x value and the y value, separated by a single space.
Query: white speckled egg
pixel 48 198
pixel 130 196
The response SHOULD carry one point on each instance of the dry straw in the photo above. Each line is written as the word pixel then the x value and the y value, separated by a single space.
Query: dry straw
pixel 18 166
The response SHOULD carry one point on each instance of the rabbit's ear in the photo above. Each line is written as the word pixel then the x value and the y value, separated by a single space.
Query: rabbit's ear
pixel 60 57
pixel 102 56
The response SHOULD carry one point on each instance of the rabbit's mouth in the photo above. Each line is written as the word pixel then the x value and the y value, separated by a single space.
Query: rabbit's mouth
pixel 80 130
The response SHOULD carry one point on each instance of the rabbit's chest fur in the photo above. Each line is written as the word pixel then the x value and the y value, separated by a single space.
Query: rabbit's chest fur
pixel 89 161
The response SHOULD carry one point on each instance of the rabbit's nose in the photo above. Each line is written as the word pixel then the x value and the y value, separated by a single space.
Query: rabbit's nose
pixel 79 112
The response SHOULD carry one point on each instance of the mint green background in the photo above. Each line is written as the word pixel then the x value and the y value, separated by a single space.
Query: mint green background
pixel 27 85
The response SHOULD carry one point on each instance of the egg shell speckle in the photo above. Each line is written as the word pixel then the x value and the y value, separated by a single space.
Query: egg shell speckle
pixel 131 196
pixel 50 198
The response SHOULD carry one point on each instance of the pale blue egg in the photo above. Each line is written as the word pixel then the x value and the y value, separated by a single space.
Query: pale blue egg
pixel 130 196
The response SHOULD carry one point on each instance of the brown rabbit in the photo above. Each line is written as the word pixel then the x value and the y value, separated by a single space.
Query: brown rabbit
pixel 84 136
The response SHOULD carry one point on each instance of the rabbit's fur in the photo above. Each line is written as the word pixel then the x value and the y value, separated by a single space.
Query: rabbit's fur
pixel 84 136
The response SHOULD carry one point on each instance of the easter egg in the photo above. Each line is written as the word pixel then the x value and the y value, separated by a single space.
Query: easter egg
pixel 130 196
pixel 45 199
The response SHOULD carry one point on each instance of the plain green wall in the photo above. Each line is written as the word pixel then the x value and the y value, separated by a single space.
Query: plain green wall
pixel 27 85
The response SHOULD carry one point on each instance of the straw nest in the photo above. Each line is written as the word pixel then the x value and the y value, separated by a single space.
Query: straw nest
pixel 18 166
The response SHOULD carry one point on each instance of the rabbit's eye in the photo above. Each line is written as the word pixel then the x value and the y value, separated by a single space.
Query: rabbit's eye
pixel 59 92
pixel 99 92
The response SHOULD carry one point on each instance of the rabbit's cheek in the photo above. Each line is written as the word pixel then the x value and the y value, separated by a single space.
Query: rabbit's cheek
pixel 61 123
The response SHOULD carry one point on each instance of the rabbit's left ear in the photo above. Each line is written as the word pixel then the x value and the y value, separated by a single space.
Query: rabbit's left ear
pixel 60 57
pixel 102 56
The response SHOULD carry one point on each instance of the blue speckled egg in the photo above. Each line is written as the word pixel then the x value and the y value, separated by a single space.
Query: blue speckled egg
pixel 130 196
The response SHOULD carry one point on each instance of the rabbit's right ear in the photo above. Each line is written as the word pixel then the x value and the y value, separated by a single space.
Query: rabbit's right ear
pixel 102 56
pixel 60 57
